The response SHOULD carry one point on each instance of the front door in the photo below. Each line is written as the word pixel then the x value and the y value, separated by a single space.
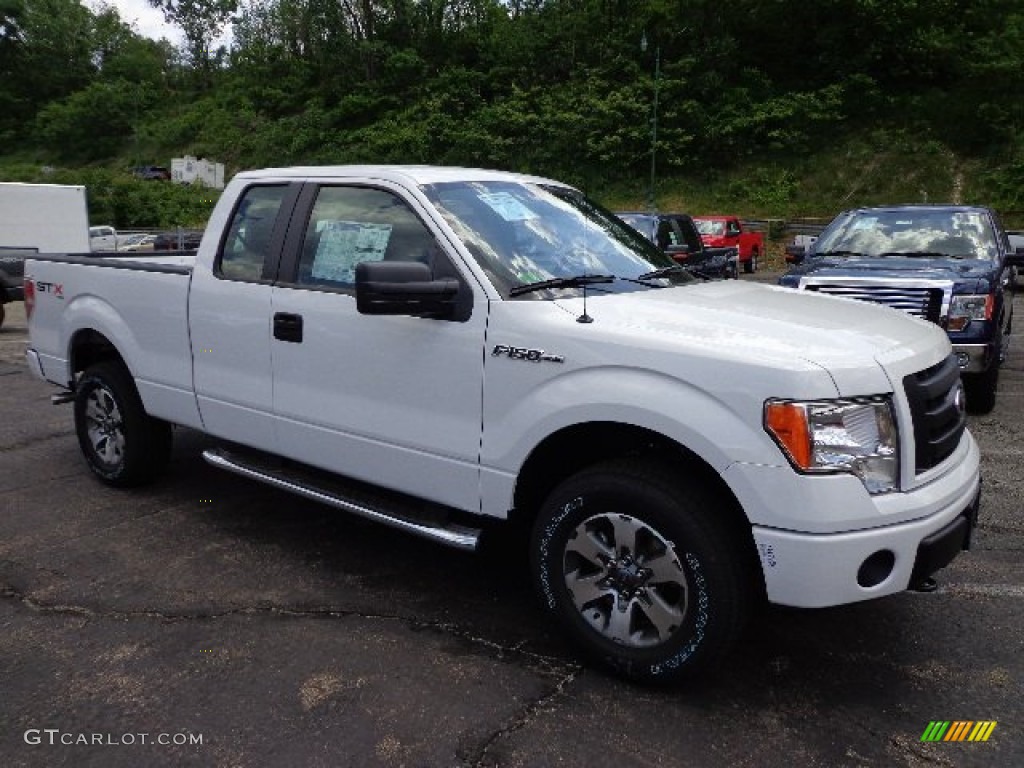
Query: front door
pixel 395 401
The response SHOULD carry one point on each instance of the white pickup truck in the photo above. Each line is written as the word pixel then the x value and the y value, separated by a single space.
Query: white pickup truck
pixel 436 347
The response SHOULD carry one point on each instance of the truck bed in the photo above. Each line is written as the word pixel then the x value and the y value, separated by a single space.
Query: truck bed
pixel 139 303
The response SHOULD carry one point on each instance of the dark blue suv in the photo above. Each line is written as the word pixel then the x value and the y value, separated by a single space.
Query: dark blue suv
pixel 952 265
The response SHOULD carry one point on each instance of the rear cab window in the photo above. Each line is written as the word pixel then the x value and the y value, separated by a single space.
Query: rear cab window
pixel 247 244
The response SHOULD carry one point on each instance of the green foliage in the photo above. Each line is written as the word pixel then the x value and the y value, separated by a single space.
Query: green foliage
pixel 116 197
pixel 769 108
pixel 93 123
pixel 128 202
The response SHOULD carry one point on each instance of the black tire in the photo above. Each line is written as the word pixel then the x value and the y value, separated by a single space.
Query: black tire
pixel 3 313
pixel 980 388
pixel 121 443
pixel 684 582
pixel 750 265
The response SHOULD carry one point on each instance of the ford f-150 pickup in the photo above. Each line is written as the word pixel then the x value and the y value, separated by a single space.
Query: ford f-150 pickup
pixel 952 265
pixel 433 348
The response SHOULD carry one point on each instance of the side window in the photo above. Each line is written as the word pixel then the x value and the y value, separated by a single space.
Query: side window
pixel 666 236
pixel 690 236
pixel 350 225
pixel 732 229
pixel 248 242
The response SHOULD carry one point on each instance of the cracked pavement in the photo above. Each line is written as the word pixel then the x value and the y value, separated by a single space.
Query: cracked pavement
pixel 287 634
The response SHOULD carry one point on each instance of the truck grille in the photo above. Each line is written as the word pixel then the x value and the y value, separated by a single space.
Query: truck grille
pixel 936 404
pixel 925 302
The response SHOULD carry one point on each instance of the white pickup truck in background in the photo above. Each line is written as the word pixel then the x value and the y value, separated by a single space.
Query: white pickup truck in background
pixel 436 347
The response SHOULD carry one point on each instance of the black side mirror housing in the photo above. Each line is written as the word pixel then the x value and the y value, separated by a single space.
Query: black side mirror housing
pixel 403 288
pixel 795 254
pixel 1015 258
pixel 678 252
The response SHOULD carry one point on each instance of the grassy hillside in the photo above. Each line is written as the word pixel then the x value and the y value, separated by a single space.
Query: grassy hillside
pixel 870 167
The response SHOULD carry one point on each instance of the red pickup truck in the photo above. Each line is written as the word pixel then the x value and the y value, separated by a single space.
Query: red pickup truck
pixel 719 231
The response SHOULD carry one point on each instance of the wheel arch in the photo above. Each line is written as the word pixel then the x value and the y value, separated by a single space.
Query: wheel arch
pixel 87 347
pixel 574 448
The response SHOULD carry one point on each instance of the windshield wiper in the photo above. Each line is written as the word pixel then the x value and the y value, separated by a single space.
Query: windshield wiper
pixel 922 255
pixel 675 269
pixel 855 254
pixel 561 282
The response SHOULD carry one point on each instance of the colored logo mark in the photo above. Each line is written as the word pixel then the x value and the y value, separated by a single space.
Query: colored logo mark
pixel 958 730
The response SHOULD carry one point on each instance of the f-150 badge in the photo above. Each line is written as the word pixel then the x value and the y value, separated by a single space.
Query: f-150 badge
pixel 522 353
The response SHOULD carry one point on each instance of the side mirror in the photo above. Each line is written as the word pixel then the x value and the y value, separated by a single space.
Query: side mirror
pixel 678 252
pixel 795 254
pixel 1016 257
pixel 403 288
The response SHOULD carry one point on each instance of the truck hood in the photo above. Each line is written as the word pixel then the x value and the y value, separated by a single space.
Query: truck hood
pixel 774 328
pixel 968 275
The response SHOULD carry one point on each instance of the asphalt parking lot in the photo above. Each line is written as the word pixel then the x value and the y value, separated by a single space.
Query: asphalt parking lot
pixel 208 620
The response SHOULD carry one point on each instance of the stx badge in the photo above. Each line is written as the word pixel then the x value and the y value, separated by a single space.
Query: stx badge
pixel 57 289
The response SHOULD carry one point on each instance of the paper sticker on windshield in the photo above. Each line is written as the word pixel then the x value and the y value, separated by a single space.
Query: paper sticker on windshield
pixel 508 206
pixel 867 222
pixel 343 244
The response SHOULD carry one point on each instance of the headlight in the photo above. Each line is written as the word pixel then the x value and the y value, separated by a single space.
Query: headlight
pixel 963 309
pixel 858 436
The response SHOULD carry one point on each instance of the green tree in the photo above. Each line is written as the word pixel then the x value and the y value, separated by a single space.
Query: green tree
pixel 202 22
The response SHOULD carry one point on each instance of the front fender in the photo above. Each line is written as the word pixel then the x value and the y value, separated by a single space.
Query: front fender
pixel 718 433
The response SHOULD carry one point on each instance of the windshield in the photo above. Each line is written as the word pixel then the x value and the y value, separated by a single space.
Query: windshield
pixel 523 233
pixel 908 232
pixel 710 227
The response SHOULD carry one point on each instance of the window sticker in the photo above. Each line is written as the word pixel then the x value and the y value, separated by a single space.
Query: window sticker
pixel 508 206
pixel 866 222
pixel 343 244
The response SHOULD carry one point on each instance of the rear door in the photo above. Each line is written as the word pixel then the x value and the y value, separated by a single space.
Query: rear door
pixel 396 401
pixel 230 319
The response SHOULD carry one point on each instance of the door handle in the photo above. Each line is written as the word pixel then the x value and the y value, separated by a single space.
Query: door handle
pixel 288 327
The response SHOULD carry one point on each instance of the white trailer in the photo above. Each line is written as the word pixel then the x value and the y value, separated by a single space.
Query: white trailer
pixel 52 218
pixel 40 218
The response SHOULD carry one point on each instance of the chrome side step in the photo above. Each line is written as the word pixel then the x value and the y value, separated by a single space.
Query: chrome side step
pixel 453 535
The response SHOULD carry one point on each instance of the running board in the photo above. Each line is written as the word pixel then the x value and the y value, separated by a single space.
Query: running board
pixel 443 531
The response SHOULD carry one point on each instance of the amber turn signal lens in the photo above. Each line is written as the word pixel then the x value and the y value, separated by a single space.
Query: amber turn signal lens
pixel 787 422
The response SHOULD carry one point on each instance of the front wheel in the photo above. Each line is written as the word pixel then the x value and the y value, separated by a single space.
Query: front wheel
pixel 121 443
pixel 980 388
pixel 640 571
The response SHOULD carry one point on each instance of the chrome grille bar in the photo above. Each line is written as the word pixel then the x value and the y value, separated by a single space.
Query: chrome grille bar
pixel 927 299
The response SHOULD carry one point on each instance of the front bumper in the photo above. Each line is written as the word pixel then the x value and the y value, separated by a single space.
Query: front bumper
pixel 815 570
pixel 938 550
pixel 973 358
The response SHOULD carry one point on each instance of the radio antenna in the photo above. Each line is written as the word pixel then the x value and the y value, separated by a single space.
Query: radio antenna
pixel 584 318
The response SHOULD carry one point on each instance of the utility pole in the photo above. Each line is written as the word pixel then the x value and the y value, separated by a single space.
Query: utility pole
pixel 651 200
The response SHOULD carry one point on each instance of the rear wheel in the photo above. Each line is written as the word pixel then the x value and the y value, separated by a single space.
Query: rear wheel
pixel 750 265
pixel 121 443
pixel 640 571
